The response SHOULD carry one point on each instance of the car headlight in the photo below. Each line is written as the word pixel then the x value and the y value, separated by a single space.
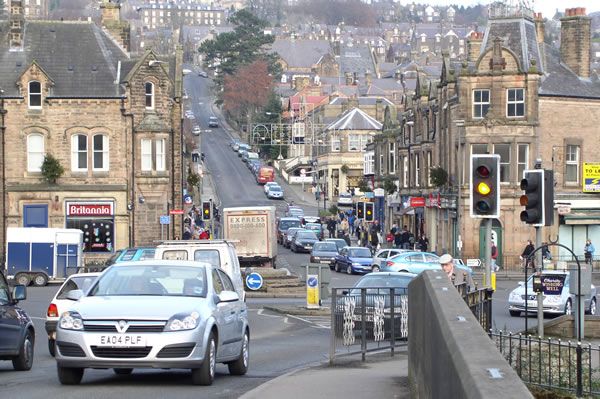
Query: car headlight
pixel 183 321
pixel 71 321
pixel 316 258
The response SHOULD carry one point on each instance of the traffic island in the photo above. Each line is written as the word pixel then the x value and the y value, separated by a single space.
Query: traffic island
pixel 299 310
pixel 278 283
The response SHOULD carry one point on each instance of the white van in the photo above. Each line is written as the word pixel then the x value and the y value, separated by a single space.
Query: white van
pixel 216 252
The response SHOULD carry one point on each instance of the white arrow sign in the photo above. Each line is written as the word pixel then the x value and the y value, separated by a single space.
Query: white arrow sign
pixel 473 262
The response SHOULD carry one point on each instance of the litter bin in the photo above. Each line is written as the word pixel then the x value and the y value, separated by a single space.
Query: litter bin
pixel 324 273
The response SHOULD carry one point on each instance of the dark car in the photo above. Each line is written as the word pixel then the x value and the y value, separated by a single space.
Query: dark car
pixel 289 236
pixel 353 260
pixel 213 121
pixel 317 228
pixel 17 335
pixel 283 225
pixel 323 252
pixel 339 242
pixel 303 241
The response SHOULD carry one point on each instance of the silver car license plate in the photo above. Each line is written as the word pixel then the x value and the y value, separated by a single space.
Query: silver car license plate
pixel 121 340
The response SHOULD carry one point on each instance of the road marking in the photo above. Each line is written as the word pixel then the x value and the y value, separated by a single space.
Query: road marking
pixel 261 313
pixel 321 322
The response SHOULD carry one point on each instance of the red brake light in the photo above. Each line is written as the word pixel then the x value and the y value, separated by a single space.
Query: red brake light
pixel 52 310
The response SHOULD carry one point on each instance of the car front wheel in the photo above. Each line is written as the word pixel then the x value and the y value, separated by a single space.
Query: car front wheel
pixel 205 375
pixel 69 376
pixel 514 313
pixel 349 269
pixel 240 365
pixel 24 359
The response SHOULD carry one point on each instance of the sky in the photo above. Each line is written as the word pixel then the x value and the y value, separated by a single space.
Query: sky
pixel 546 7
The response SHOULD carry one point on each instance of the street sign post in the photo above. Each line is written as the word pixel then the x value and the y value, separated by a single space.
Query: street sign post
pixel 254 281
pixel 473 262
pixel 164 220
pixel 312 291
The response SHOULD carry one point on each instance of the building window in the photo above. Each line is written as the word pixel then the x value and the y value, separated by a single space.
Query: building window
pixel 100 156
pixel 429 166
pixel 522 160
pixel 79 152
pixel 481 103
pixel 504 151
pixel 149 95
pixel 146 155
pixel 354 142
pixel 417 170
pixel 572 164
pixel 369 164
pixel 392 158
pixel 405 171
pixel 479 149
pixel 35 94
pixel 335 144
pixel 515 103
pixel 35 152
pixel 153 155
pixel 381 161
pixel 160 155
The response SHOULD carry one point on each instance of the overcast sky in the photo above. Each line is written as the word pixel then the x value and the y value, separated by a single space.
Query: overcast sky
pixel 547 7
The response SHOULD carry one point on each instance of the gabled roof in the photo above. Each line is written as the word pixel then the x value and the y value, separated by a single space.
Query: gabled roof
pixel 301 53
pixel 355 119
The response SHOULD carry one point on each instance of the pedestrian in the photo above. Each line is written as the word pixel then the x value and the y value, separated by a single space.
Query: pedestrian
pixel 404 235
pixel 495 266
pixel 546 252
pixel 423 243
pixel 351 219
pixel 528 250
pixel 344 227
pixel 374 238
pixel 398 239
pixel 589 251
pixel 187 234
pixel 457 276
pixel 411 241
pixel 204 235
pixel 331 225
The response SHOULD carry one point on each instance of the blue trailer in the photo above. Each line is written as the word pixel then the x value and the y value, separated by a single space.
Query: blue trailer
pixel 41 254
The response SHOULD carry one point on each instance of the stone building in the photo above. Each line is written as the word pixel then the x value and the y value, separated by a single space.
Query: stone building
pixel 113 123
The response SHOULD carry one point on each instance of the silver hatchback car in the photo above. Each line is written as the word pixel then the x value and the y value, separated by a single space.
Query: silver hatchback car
pixel 155 314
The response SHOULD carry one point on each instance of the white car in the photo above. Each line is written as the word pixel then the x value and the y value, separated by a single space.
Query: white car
pixel 187 71
pixel 275 192
pixel 196 130
pixel 270 184
pixel 383 255
pixel 345 199
pixel 60 303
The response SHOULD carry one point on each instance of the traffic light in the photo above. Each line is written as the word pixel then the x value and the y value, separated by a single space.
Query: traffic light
pixel 369 211
pixel 485 186
pixel 360 210
pixel 206 210
pixel 538 199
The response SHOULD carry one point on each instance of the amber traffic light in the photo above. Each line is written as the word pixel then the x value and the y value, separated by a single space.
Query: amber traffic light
pixel 485 186
pixel 206 208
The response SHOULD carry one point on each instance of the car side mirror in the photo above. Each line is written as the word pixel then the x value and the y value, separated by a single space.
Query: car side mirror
pixel 521 283
pixel 228 296
pixel 19 292
pixel 74 295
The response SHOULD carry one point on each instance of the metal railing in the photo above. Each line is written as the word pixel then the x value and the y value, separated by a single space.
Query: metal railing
pixel 552 363
pixel 366 320
pixel 480 303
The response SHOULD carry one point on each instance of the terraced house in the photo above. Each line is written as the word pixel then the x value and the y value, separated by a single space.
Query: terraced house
pixel 113 122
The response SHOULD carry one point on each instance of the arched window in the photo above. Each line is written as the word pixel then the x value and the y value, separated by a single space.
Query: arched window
pixel 100 150
pixel 35 152
pixel 79 153
pixel 35 94
pixel 149 88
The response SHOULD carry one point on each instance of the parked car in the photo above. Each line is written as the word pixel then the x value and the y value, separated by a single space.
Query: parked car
pixel 155 314
pixel 317 228
pixel 196 130
pixel 270 184
pixel 345 199
pixel 339 242
pixel 383 255
pixel 289 236
pixel 303 241
pixel 353 260
pixel 131 254
pixel 323 252
pixel 243 147
pixel 416 262
pixel 61 303
pixel 283 224
pixel 17 334
pixel 213 121
pixel 253 155
pixel 275 192
pixel 559 303
pixel 244 155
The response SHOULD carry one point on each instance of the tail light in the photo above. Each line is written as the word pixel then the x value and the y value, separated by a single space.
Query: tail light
pixel 389 263
pixel 52 310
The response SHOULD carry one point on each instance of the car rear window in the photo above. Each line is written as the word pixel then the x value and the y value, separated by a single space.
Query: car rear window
pixel 360 253
pixel 325 246
pixel 286 224
pixel 180 254
pixel 208 255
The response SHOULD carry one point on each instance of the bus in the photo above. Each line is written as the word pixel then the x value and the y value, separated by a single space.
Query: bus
pixel 265 174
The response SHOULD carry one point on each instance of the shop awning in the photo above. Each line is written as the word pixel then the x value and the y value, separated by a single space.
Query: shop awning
pixel 580 216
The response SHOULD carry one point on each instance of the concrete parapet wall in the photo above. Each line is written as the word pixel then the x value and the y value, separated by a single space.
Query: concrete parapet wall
pixel 449 354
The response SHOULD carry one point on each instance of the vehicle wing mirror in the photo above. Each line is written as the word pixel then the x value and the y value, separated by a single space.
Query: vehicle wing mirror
pixel 228 296
pixel 74 295
pixel 19 292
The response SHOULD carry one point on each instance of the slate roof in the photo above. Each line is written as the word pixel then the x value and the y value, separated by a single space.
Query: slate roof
pixel 355 119
pixel 356 59
pixel 79 57
pixel 361 101
pixel 301 53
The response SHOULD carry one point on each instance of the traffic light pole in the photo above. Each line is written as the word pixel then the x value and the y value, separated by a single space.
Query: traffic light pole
pixel 540 295
pixel 488 252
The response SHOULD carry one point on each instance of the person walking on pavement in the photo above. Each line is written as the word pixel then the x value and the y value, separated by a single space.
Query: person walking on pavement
pixel 494 258
pixel 331 224
pixel 423 243
pixel 589 251
pixel 528 250
pixel 398 239
pixel 404 236
pixel 351 219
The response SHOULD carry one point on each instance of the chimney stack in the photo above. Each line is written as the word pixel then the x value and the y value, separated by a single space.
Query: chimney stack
pixel 17 24
pixel 349 79
pixel 368 78
pixel 111 21
pixel 575 41
pixel 475 42
pixel 540 29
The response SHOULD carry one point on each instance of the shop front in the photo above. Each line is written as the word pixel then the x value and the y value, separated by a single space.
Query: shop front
pixel 96 220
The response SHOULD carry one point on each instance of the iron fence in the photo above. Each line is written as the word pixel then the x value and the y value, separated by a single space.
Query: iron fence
pixel 552 363
pixel 480 303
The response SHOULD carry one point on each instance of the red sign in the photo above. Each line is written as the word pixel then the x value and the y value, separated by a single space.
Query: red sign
pixel 435 200
pixel 176 212
pixel 417 202
pixel 74 209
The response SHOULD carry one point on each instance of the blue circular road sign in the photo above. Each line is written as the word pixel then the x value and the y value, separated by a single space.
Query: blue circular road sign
pixel 312 282
pixel 254 281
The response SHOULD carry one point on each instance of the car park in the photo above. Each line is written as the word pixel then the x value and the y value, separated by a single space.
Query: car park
pixel 155 314
pixel 383 255
pixel 323 252
pixel 416 262
pixel 270 184
pixel 17 333
pixel 283 224
pixel 345 199
pixel 317 228
pixel 275 192
pixel 303 241
pixel 339 242
pixel 353 260
pixel 61 303
pixel 213 121
pixel 560 301
pixel 289 236
pixel 131 254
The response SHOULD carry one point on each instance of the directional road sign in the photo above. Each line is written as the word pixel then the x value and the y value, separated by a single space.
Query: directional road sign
pixel 165 219
pixel 254 281
pixel 473 262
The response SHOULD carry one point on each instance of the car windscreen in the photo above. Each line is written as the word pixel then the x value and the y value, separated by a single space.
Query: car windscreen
pixel 325 247
pixel 82 283
pixel 152 280
pixel 286 224
pixel 360 253
pixel 306 235
pixel 275 189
